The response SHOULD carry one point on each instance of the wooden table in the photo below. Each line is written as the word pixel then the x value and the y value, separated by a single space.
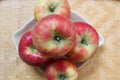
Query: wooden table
pixel 103 15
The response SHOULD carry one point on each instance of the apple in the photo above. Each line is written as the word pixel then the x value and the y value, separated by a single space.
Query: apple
pixel 86 44
pixel 46 7
pixel 54 35
pixel 61 69
pixel 28 53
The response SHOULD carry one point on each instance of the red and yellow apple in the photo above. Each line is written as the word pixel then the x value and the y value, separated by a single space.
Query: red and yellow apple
pixel 86 44
pixel 46 7
pixel 54 35
pixel 62 69
pixel 28 53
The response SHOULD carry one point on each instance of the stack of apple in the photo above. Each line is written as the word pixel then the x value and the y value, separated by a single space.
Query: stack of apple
pixel 57 42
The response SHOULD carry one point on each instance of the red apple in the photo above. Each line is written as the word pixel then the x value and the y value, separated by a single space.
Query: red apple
pixel 62 69
pixel 86 44
pixel 28 53
pixel 46 7
pixel 54 35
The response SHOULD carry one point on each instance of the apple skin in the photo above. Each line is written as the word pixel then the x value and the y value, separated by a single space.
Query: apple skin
pixel 28 53
pixel 54 35
pixel 86 44
pixel 61 69
pixel 46 7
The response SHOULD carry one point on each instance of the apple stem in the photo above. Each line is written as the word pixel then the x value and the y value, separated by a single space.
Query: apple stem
pixel 84 42
pixel 57 38
pixel 62 77
pixel 52 9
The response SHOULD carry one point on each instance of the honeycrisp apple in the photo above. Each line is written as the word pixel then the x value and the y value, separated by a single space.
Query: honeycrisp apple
pixel 54 35
pixel 46 7
pixel 28 53
pixel 62 69
pixel 87 40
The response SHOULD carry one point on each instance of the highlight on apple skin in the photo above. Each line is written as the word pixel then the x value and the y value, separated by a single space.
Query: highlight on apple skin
pixel 54 35
pixel 61 69
pixel 28 53
pixel 47 7
pixel 86 44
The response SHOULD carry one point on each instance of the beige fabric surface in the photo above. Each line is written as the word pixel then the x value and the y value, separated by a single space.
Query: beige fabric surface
pixel 104 15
